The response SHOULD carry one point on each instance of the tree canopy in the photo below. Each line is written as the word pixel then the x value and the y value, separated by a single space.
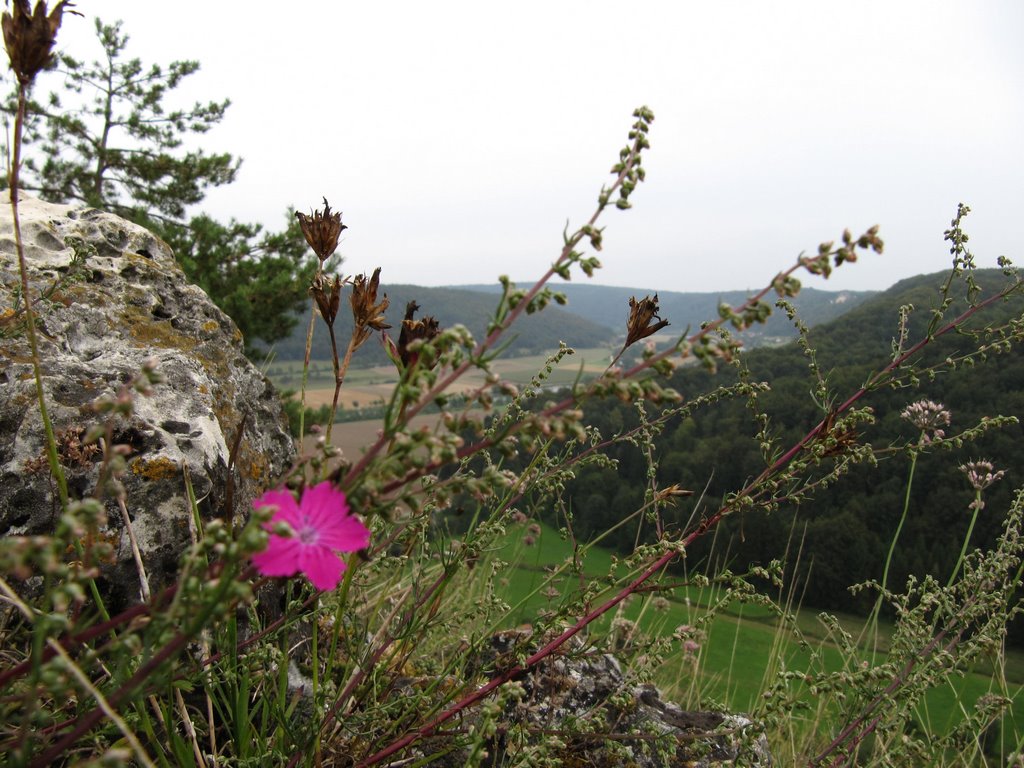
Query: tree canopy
pixel 106 137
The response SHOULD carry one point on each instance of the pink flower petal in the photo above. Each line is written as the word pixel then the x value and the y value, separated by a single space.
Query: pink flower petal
pixel 322 567
pixel 346 534
pixel 322 503
pixel 280 558
pixel 282 501
pixel 326 526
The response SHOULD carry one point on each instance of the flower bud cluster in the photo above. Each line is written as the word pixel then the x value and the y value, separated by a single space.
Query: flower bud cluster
pixel 928 416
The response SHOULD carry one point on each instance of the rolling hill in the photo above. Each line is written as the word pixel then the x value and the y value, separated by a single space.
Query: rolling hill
pixel 595 316
pixel 609 306
pixel 533 333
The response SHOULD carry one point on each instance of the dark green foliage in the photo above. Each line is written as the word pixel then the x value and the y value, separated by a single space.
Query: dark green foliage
pixel 258 278
pixel 845 529
pixel 293 409
pixel 108 140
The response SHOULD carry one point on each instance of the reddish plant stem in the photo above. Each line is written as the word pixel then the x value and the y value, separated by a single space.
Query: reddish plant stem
pixel 516 669
pixel 509 319
pixel 73 642
pixel 90 720
pixel 567 402
pixel 366 669
pixel 255 638
pixel 663 560
pixel 340 371
pixel 886 694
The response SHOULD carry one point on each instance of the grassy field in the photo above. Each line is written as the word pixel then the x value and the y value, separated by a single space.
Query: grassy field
pixel 743 647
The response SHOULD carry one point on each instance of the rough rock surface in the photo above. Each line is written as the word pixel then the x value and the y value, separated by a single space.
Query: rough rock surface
pixel 127 303
pixel 584 707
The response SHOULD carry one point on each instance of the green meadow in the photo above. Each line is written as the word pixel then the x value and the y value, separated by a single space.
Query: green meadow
pixel 742 647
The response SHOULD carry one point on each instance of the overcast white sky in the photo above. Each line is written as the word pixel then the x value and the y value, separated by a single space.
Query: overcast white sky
pixel 459 137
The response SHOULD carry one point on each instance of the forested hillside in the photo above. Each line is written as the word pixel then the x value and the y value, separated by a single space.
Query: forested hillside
pixel 609 306
pixel 844 532
pixel 537 333
pixel 595 315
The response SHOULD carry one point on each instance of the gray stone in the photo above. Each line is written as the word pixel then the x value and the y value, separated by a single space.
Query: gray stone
pixel 585 707
pixel 129 302
pixel 580 685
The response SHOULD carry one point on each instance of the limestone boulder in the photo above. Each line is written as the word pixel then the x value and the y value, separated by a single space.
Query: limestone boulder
pixel 109 296
pixel 583 707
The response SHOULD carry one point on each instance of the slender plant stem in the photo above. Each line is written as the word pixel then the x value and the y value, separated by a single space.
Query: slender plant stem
pixel 101 701
pixel 165 655
pixel 314 648
pixel 967 539
pixel 339 614
pixel 305 373
pixel 13 181
pixel 888 558
pixel 564 258
pixel 340 370
pixel 662 560
pixel 39 628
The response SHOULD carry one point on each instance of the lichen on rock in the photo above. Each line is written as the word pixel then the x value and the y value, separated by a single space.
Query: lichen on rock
pixel 129 302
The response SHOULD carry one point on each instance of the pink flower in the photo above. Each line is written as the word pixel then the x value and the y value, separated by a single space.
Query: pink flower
pixel 322 526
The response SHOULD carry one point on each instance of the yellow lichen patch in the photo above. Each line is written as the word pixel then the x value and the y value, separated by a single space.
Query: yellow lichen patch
pixel 210 326
pixel 100 545
pixel 159 468
pixel 148 332
pixel 147 265
pixel 258 469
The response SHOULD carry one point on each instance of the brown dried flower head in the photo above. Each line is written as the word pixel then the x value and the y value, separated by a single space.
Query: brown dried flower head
pixel 327 295
pixel 366 311
pixel 29 36
pixel 415 330
pixel 322 230
pixel 641 313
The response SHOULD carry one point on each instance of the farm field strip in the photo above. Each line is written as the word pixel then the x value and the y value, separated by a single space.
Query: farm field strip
pixel 366 386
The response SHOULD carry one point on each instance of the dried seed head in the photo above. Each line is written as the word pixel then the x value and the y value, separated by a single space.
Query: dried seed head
pixel 641 313
pixel 415 330
pixel 322 230
pixel 366 311
pixel 327 295
pixel 29 36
